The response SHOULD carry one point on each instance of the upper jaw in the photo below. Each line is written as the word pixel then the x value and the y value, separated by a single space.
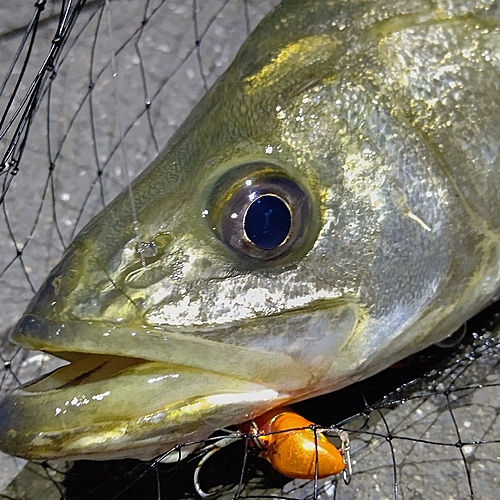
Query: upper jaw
pixel 163 344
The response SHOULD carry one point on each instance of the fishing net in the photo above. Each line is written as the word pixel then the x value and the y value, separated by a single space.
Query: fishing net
pixel 89 93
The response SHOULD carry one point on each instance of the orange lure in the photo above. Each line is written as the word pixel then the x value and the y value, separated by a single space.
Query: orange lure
pixel 293 452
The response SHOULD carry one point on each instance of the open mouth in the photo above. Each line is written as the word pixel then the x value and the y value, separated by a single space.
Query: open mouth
pixel 113 404
pixel 167 345
pixel 137 391
pixel 82 369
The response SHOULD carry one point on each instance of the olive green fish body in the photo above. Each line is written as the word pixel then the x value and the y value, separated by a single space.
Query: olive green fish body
pixel 373 128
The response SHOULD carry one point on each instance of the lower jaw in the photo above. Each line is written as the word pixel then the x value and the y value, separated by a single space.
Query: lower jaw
pixel 106 407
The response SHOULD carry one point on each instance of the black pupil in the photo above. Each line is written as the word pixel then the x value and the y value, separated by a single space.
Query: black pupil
pixel 267 222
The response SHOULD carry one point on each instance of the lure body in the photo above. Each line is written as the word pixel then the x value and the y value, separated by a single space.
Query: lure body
pixel 293 448
pixel 372 127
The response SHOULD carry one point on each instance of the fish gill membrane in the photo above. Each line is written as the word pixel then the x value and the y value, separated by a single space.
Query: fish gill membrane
pixel 374 126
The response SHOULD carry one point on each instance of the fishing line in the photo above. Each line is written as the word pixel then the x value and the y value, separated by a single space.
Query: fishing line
pixel 119 112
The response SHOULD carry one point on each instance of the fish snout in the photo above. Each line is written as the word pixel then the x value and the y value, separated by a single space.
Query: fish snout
pixel 61 282
pixel 84 286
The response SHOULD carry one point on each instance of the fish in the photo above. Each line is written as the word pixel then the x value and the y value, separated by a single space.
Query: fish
pixel 327 209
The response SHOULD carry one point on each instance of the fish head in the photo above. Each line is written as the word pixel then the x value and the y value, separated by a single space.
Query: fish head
pixel 175 317
pixel 190 322
pixel 295 235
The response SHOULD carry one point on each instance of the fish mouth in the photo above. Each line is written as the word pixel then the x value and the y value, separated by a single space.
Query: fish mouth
pixel 165 344
pixel 109 403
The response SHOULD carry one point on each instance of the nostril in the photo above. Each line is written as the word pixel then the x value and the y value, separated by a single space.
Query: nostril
pixel 56 285
pixel 62 280
pixel 46 297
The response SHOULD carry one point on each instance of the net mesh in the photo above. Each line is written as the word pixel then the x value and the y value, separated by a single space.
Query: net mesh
pixel 89 93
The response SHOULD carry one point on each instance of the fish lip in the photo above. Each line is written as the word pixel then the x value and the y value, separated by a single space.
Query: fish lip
pixel 29 429
pixel 31 425
pixel 168 345
pixel 230 383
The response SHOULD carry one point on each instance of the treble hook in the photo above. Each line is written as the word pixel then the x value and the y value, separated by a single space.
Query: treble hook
pixel 290 443
pixel 212 449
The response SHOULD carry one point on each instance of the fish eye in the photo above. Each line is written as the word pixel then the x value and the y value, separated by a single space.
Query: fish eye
pixel 267 222
pixel 261 213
